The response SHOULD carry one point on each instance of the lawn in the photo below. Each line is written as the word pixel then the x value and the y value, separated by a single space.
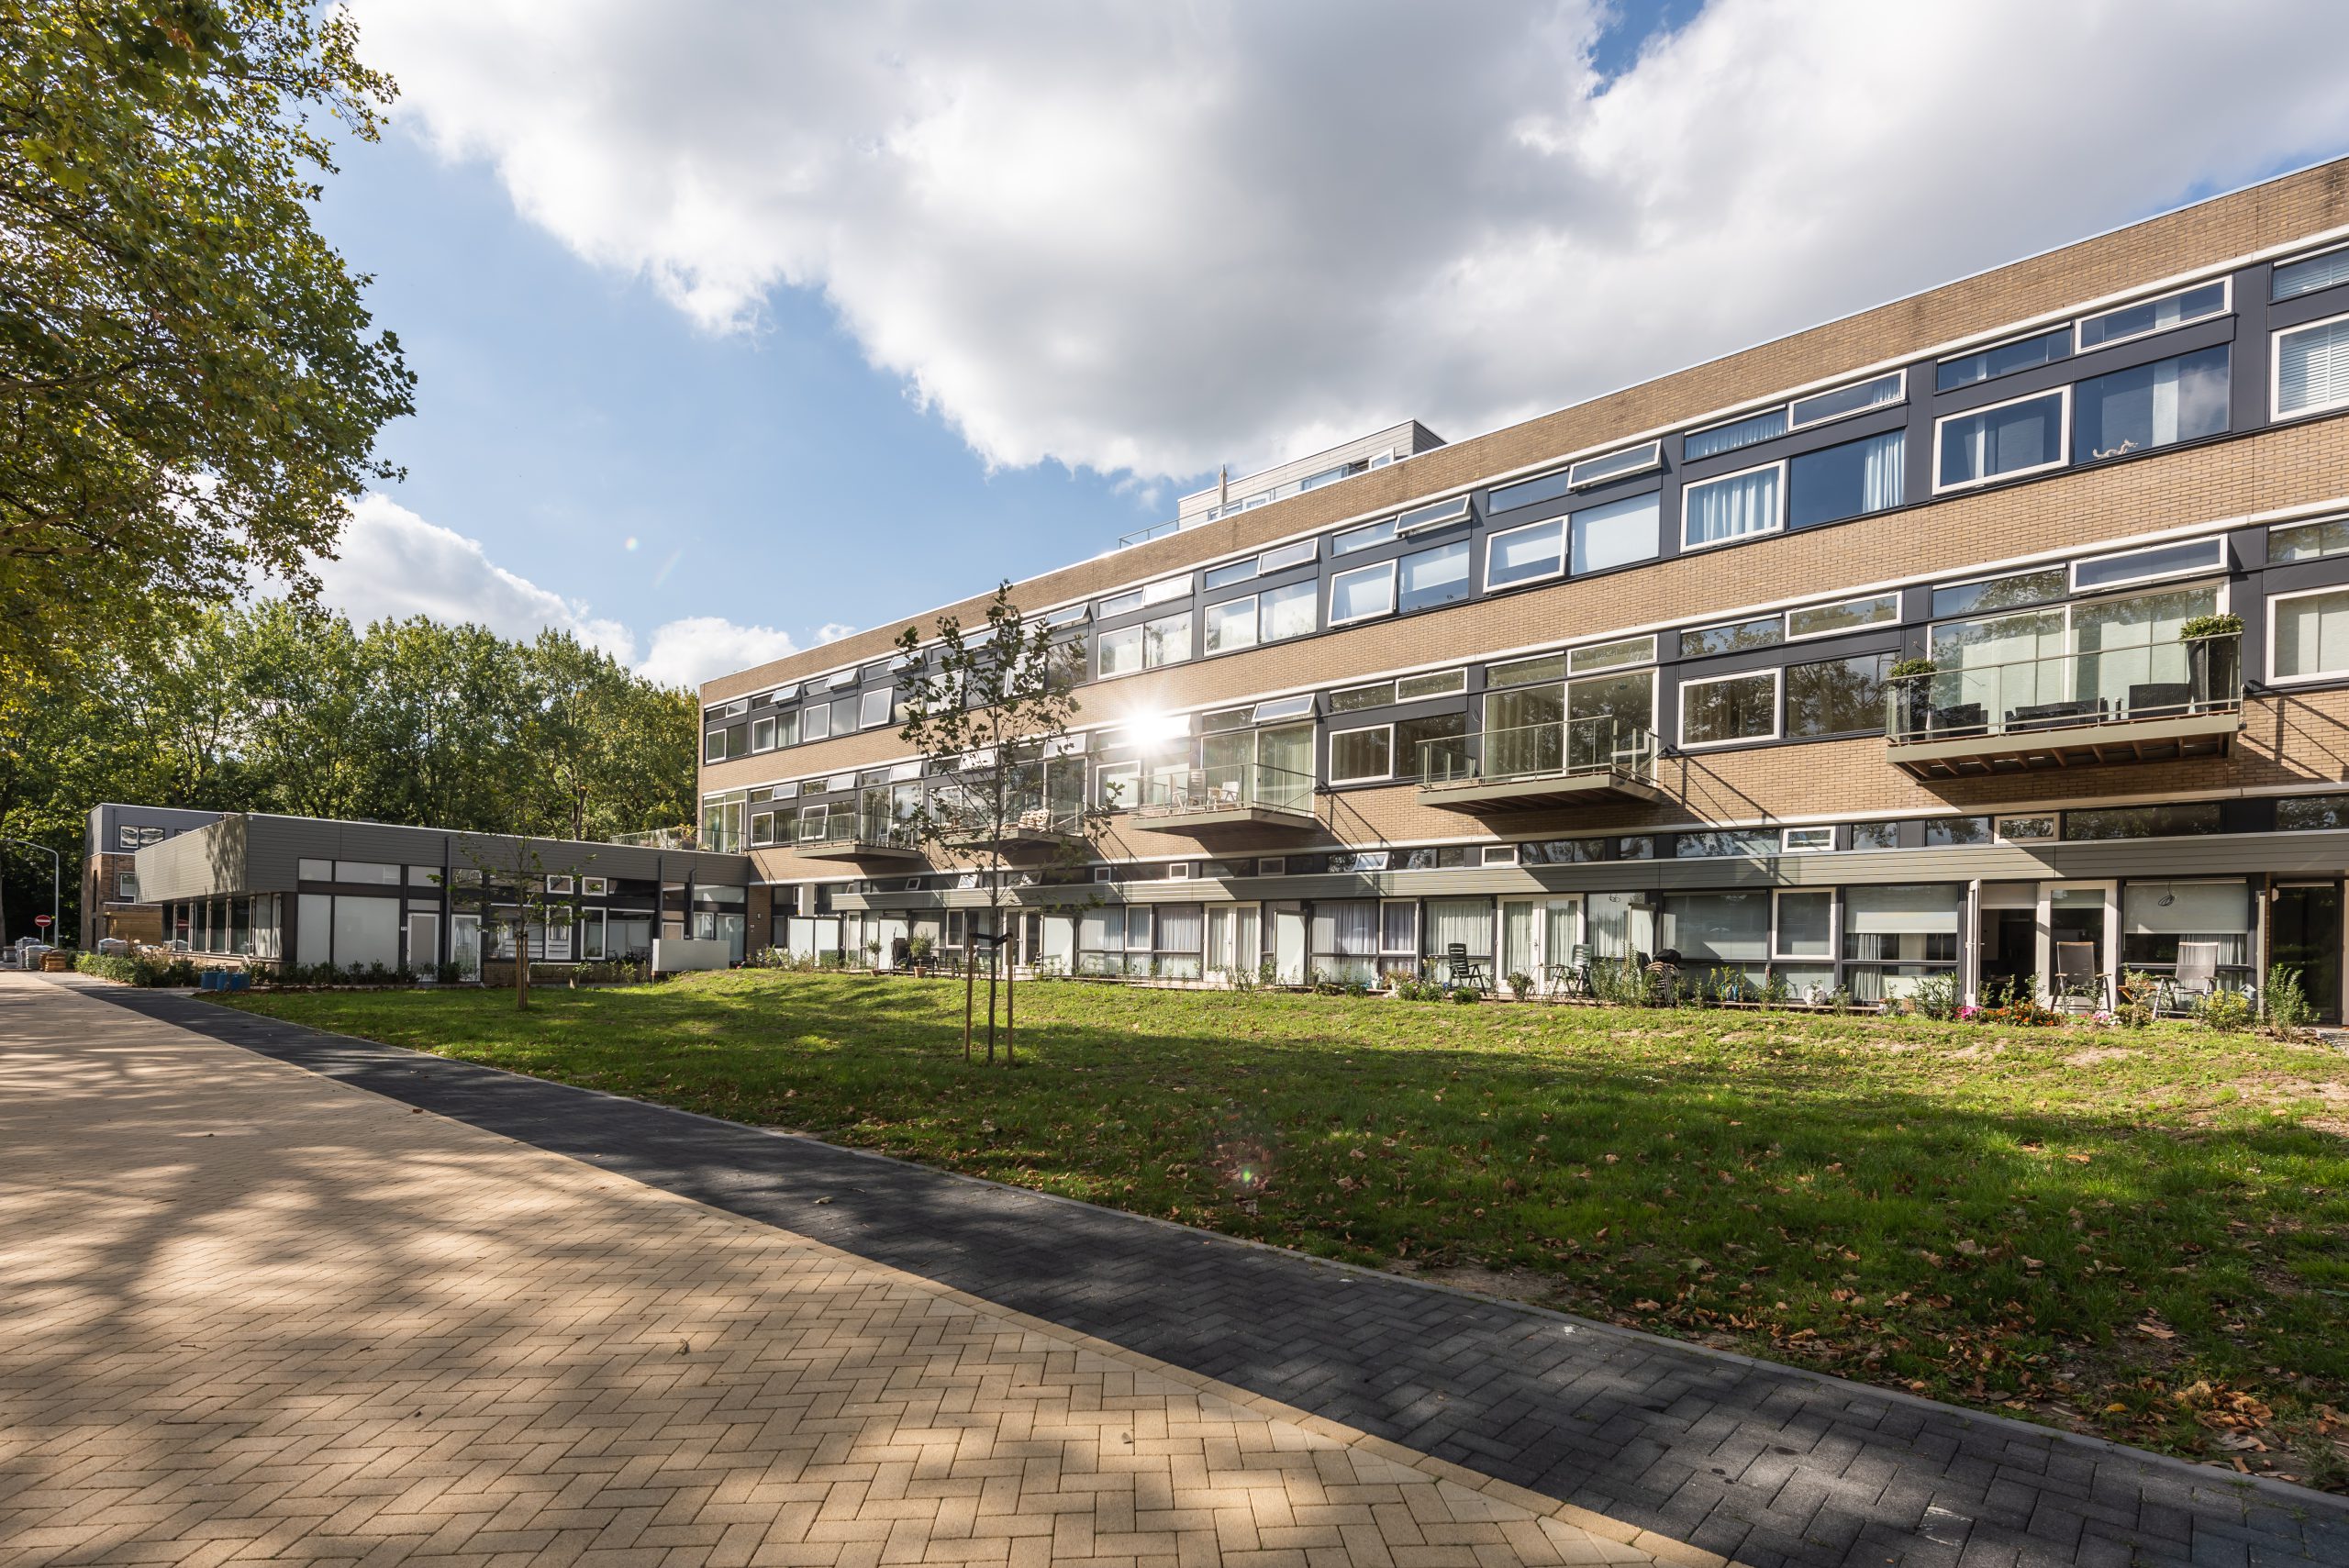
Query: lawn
pixel 2138 1233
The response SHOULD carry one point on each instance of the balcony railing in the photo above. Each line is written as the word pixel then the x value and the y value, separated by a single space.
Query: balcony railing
pixel 657 839
pixel 2159 700
pixel 1235 789
pixel 1536 765
pixel 860 833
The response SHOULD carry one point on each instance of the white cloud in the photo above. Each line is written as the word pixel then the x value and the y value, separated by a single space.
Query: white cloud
pixel 392 564
pixel 1153 237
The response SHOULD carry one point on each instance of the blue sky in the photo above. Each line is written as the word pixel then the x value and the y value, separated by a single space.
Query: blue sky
pixel 840 313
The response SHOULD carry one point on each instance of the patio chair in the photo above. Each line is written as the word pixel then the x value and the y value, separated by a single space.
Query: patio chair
pixel 1571 978
pixel 2198 972
pixel 2078 983
pixel 1460 970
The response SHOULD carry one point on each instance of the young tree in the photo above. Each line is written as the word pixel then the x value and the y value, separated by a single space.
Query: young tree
pixel 988 713
pixel 508 886
pixel 190 386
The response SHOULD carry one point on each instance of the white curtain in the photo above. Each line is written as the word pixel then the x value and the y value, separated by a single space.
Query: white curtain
pixel 1468 921
pixel 1883 476
pixel 1180 927
pixel 1727 508
pixel 2312 370
pixel 2311 634
pixel 1348 928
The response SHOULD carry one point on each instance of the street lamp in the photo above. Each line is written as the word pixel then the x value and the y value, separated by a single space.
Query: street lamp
pixel 56 875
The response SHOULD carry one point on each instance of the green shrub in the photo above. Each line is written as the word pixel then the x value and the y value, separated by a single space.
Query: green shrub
pixel 2227 1012
pixel 2210 626
pixel 1466 995
pixel 1935 996
pixel 125 969
pixel 2284 1001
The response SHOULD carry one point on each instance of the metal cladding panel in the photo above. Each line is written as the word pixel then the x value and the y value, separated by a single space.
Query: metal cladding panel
pixel 207 862
pixel 279 845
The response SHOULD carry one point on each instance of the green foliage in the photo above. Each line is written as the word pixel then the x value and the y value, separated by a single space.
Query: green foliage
pixel 190 385
pixel 1520 985
pixel 2284 1001
pixel 1902 669
pixel 2227 1012
pixel 2196 627
pixel 129 969
pixel 1468 995
pixel 1935 996
pixel 1990 1212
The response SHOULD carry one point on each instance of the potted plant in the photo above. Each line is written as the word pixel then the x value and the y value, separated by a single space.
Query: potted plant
pixel 2213 659
pixel 920 951
pixel 1914 701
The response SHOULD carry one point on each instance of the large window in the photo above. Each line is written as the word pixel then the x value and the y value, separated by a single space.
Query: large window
pixel 1119 652
pixel 1435 747
pixel 1435 576
pixel 1345 940
pixel 873 709
pixel 1847 480
pixel 1729 708
pixel 2309 635
pixel 1466 922
pixel 1733 506
pixel 1896 936
pixel 1728 930
pixel 1282 613
pixel 1837 697
pixel 1167 641
pixel 2022 436
pixel 1357 756
pixel 1231 625
pixel 1361 594
pixel 2150 405
pixel 2152 315
pixel 2004 358
pixel 2111 655
pixel 2312 368
pixel 2156 917
pixel 1614 535
pixel 2309 273
pixel 1526 554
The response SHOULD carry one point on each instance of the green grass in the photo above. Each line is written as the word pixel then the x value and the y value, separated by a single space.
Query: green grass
pixel 2143 1234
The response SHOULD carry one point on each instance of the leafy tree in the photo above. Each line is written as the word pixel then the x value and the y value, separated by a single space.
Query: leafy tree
pixel 190 388
pixel 987 713
pixel 508 886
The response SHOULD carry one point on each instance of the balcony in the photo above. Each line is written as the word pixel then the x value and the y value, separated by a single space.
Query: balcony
pixel 1028 830
pixel 1540 767
pixel 2158 703
pixel 857 837
pixel 1212 800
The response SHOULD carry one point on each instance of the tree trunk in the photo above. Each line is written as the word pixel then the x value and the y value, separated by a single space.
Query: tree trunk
pixel 522 963
pixel 994 959
pixel 1010 1056
pixel 970 985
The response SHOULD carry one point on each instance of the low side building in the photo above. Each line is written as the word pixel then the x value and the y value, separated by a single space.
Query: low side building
pixel 110 843
pixel 265 889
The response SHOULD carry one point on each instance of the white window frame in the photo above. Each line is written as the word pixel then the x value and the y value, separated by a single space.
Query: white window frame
pixel 1149 627
pixel 1115 605
pixel 1805 842
pixel 1779 508
pixel 1271 710
pixel 1434 515
pixel 755 840
pixel 2295 261
pixel 1178 871
pixel 1777 673
pixel 1101 644
pixel 2201 571
pixel 561 884
pixel 756 725
pixel 1207 627
pixel 2226 306
pixel 1165 590
pixel 2063 439
pixel 1500 854
pixel 1458 679
pixel 1272 865
pixel 1649 658
pixel 595 886
pixel 1992 347
pixel 1384 530
pixel 1648 456
pixel 2275 411
pixel 1335 735
pixel 591 920
pixel 2321 675
pixel 1281 557
pixel 807 714
pixel 1998 834
pixel 1901 396
pixel 713 745
pixel 1786 622
pixel 889 696
pixel 1108 873
pixel 1107 773
pixel 1312 596
pixel 1329 611
pixel 1835 927
pixel 1492 553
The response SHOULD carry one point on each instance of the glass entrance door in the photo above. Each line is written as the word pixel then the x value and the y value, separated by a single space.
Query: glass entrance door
pixel 1537 935
pixel 423 941
pixel 2304 934
pixel 1234 942
pixel 464 945
pixel 2076 942
pixel 1288 943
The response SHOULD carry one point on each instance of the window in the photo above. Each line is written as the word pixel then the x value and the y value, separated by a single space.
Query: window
pixel 595 886
pixel 1999 592
pixel 1728 438
pixel 1731 506
pixel 1223 720
pixel 1725 930
pixel 1354 699
pixel 1876 835
pixel 1528 492
pixel 314 871
pixel 2152 315
pixel 762 735
pixel 1399 929
pixel 2142 565
pixel 1432 747
pixel 1806 925
pixel 1115 785
pixel 1119 604
pixel 1957 832
pixel 1443 683
pixel 1284 613
pixel 1467 922
pixel 1282 557
pixel 1363 538
pixel 2024 830
pixel 126 886
pixel 2322 271
pixel 1231 625
pixel 1615 465
pixel 1434 515
pixel 2022 436
pixel 1119 652
pixel 1284 707
pixel 1728 709
pixel 1847 480
pixel 2312 813
pixel 2308 542
pixel 815 723
pixel 2155 917
pixel 873 709
pixel 1345 934
pixel 2312 368
pixel 2308 635
pixel 1763 633
pixel 1820 407
pixel 1807 840
pixel 2144 822
pixel 2150 405
pixel 1229 572
pixel 558 884
pixel 2003 359
pixel 1615 535
pixel 1526 555
pixel 713 746
pixel 1167 641
pixel 1721 843
pixel 1500 854
pixel 761 827
pixel 1433 577
pixel 373 873
pixel 1611 655
pixel 1543 667
pixel 1361 594
pixel 1896 936
pixel 1847 614
pixel 1837 697
pixel 1357 755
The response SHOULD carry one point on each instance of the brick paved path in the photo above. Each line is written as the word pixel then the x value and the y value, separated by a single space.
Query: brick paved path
pixel 1754 1462
pixel 248 1314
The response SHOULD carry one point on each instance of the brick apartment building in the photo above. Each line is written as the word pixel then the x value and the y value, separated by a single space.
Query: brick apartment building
pixel 1620 678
